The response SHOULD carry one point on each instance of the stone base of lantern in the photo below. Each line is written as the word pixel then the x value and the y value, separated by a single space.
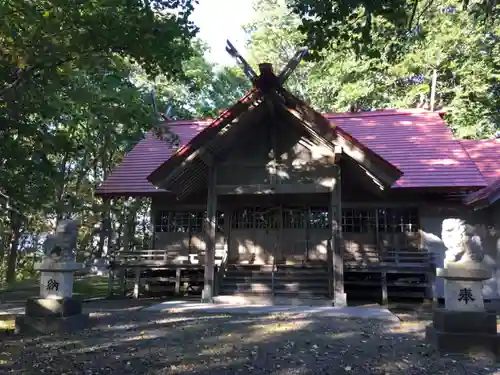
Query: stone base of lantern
pixel 55 307
pixel 55 311
pixel 50 324
pixel 464 332
pixel 52 315
pixel 463 326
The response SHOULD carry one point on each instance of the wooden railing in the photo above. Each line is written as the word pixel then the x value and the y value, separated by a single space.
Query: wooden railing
pixel 391 258
pixel 394 269
pixel 162 258
pixel 131 265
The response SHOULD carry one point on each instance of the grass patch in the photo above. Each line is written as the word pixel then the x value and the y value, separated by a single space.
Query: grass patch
pixel 19 285
pixel 91 286
pixel 7 323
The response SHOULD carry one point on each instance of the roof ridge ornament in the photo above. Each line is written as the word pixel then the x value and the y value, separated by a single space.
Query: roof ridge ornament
pixel 266 81
pixel 167 114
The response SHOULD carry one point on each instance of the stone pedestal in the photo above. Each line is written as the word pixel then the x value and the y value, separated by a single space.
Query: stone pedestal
pixel 463 326
pixel 207 295
pixel 340 299
pixel 55 310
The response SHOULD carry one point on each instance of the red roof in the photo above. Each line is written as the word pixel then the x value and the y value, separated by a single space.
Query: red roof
pixel 130 176
pixel 486 154
pixel 416 141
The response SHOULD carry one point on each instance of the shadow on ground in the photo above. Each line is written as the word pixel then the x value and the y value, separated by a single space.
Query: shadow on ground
pixel 125 340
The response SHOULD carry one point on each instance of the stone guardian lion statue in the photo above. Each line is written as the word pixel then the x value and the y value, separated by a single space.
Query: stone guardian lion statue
pixel 61 246
pixel 463 246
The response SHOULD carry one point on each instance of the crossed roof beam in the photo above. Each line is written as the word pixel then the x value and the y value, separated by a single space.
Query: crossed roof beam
pixel 266 80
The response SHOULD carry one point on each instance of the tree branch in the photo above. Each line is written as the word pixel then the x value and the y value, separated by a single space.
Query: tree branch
pixel 413 12
pixel 426 7
pixel 17 81
pixel 21 77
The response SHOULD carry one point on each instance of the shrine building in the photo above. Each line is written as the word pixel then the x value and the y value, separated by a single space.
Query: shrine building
pixel 273 199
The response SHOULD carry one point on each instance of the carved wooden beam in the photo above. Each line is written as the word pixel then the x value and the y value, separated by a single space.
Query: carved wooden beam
pixel 292 65
pixel 247 69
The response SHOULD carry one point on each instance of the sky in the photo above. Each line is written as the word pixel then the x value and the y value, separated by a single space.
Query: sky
pixel 220 20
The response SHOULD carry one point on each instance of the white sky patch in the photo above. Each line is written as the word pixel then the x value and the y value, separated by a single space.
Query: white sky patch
pixel 220 20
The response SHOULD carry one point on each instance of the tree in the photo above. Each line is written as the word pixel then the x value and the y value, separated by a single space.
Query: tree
pixel 207 89
pixel 40 36
pixel 354 21
pixel 65 80
pixel 340 81
pixel 274 38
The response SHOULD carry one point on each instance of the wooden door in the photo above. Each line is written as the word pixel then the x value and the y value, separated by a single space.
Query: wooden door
pixel 305 235
pixel 254 235
pixel 293 244
pixel 318 234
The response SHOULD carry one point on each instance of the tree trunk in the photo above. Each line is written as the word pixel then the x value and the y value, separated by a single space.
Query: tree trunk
pixel 105 228
pixel 131 223
pixel 126 227
pixel 118 236
pixel 6 240
pixel 106 210
pixel 59 198
pixel 14 247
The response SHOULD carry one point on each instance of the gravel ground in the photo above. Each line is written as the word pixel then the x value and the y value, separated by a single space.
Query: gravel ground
pixel 127 341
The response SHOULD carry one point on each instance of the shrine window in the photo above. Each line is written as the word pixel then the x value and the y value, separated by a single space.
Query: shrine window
pixel 184 221
pixel 295 217
pixel 318 218
pixel 383 220
pixel 398 220
pixel 243 218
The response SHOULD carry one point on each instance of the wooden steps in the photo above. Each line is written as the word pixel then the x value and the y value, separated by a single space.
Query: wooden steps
pixel 288 281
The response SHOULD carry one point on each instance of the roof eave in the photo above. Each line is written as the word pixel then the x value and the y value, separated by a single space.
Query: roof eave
pixel 160 176
pixel 485 197
pixel 204 146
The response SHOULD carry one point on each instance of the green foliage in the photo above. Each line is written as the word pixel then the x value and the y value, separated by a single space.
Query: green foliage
pixel 64 63
pixel 354 23
pixel 40 36
pixel 209 88
pixel 273 38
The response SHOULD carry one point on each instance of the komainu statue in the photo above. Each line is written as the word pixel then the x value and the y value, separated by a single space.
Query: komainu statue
pixel 463 245
pixel 61 246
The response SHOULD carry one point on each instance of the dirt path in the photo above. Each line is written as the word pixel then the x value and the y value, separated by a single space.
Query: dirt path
pixel 128 341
